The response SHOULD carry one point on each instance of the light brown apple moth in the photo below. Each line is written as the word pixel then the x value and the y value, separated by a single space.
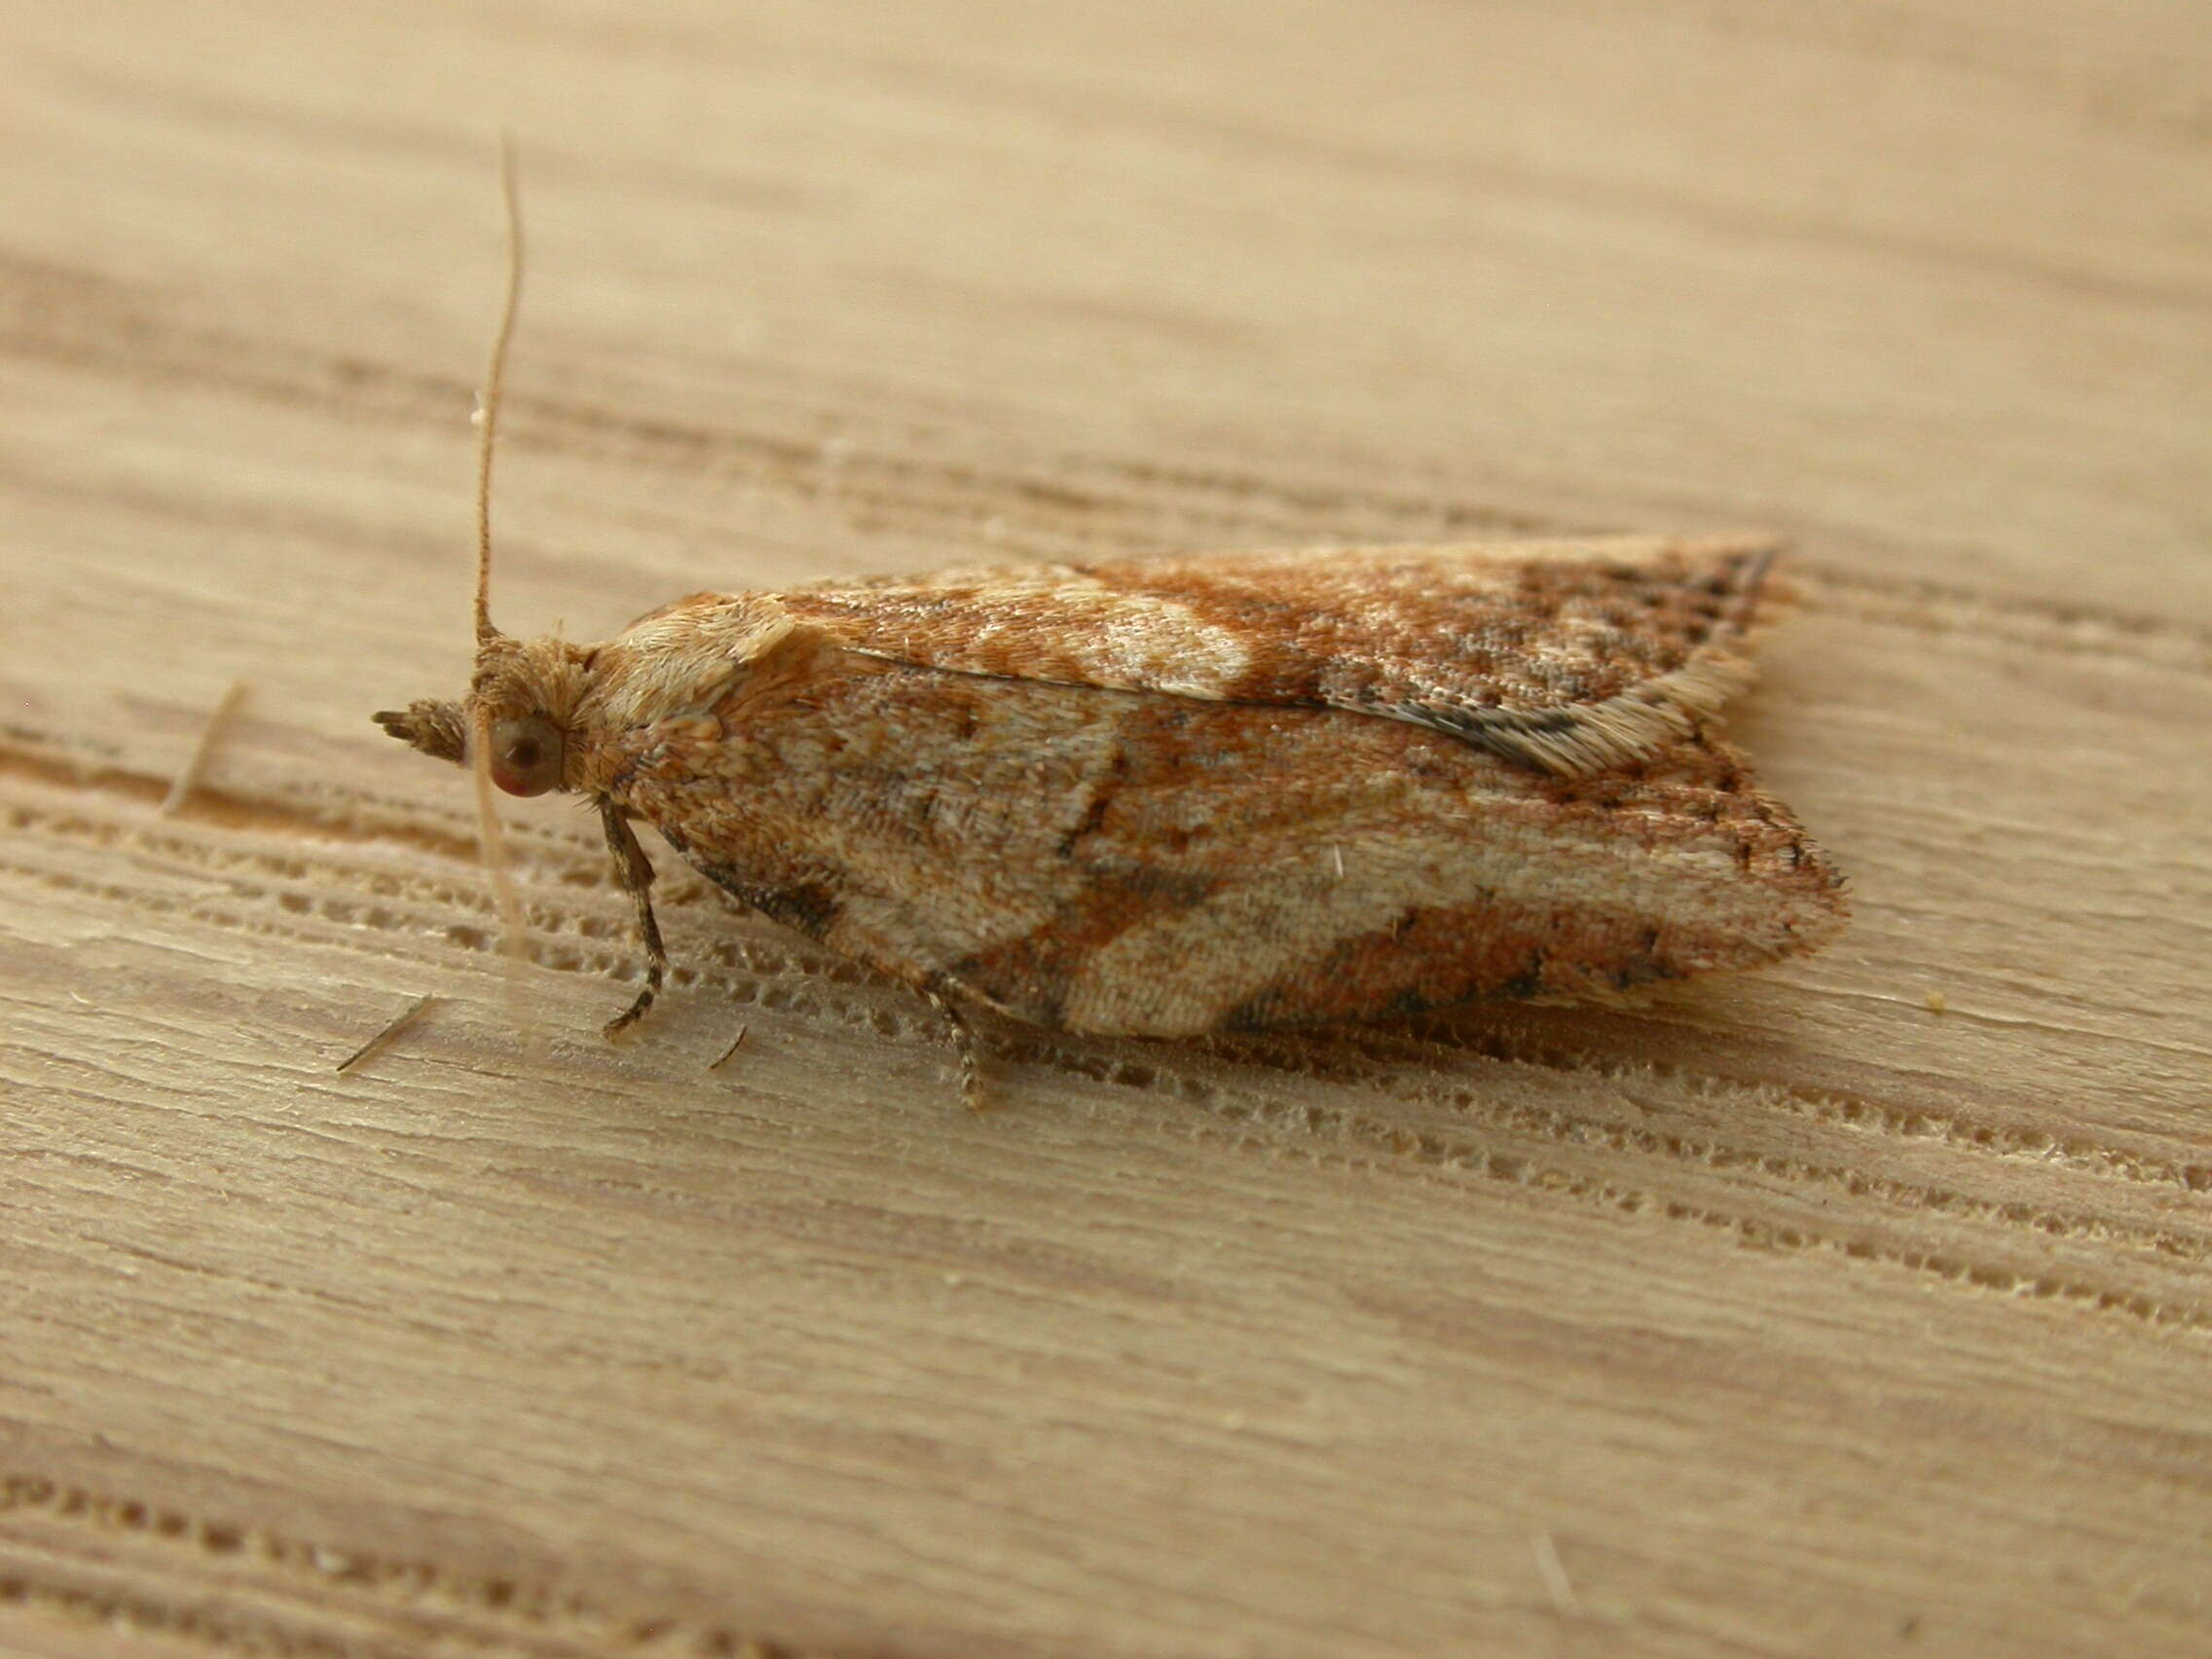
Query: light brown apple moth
pixel 1165 797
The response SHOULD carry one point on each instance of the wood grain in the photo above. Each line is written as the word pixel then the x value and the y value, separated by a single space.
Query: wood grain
pixel 1858 1308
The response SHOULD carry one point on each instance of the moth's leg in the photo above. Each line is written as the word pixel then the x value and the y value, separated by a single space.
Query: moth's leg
pixel 964 1040
pixel 635 871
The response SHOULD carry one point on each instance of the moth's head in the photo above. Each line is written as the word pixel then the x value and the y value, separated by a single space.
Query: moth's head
pixel 523 705
pixel 547 714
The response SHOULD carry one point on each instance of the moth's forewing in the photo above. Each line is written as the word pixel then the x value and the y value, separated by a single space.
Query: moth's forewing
pixel 1571 656
pixel 1160 866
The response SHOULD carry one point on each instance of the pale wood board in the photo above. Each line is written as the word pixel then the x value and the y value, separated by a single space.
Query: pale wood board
pixel 1790 1316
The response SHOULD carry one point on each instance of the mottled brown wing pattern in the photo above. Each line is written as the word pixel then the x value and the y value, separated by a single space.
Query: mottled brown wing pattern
pixel 1571 657
pixel 1151 796
pixel 1164 866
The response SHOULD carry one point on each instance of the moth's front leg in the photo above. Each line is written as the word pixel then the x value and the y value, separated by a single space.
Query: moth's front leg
pixel 635 871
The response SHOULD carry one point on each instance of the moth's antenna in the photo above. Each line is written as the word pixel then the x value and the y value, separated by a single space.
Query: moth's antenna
pixel 491 842
pixel 495 381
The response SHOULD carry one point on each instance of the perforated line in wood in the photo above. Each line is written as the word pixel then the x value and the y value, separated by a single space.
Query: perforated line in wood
pixel 2129 1265
pixel 60 1544
pixel 445 885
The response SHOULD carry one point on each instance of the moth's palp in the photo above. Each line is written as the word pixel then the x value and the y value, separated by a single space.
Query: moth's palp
pixel 438 729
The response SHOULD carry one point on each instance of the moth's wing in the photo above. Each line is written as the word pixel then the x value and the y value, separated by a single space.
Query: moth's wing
pixel 1571 657
pixel 1164 866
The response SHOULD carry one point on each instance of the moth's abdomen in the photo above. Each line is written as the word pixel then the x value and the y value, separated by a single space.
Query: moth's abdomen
pixel 1148 864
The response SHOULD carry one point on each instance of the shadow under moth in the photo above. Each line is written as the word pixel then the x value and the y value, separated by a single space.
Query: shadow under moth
pixel 1165 797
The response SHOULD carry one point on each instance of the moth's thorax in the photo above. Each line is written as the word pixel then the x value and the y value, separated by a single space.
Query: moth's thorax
pixel 675 664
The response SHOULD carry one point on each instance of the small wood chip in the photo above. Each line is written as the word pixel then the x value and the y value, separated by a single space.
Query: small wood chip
pixel 384 1039
pixel 1553 1571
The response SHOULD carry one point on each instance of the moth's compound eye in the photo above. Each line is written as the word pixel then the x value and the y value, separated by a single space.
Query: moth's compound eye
pixel 526 756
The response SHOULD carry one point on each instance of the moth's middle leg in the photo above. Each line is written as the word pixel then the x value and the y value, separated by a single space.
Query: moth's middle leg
pixel 634 872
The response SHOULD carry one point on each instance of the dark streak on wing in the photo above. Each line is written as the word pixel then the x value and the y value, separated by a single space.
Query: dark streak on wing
pixel 811 907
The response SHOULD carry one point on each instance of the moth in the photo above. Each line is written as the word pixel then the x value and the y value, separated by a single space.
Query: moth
pixel 1168 796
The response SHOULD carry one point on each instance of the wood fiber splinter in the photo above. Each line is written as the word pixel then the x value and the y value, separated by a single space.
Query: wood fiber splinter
pixel 210 733
pixel 390 1034
pixel 1173 795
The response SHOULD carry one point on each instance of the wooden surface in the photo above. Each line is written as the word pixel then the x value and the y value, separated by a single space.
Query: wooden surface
pixel 1791 1316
